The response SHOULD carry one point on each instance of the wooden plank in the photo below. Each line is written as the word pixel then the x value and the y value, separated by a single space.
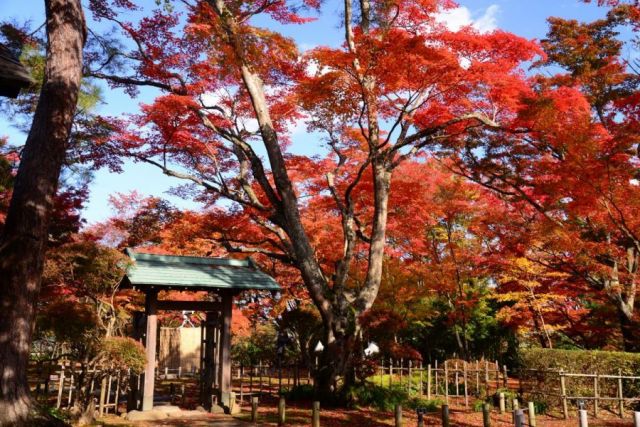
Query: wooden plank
pixel 150 349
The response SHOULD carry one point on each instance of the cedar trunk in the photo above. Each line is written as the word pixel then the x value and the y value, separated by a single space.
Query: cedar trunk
pixel 23 239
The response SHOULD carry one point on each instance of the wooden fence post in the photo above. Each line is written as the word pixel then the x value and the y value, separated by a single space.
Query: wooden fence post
pixel 281 411
pixel 410 377
pixel 636 419
pixel 251 375
pixel 117 399
pixel 60 386
pixel 486 378
pixel 505 377
pixel 563 394
pixel 103 391
pixel 254 409
pixel 445 415
pixel 108 397
pixel 429 381
pixel 421 378
pixel 477 378
pixel 71 386
pixel 398 415
pixel 315 415
pixel 457 378
pixel 390 372
pixel 446 383
pixel 620 394
pixel 596 394
pixel 436 379
pixel 532 415
pixel 515 404
pixel 486 415
pixel 501 402
pixel 466 394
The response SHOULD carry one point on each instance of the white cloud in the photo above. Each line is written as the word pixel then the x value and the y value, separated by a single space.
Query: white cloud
pixel 461 16
pixel 489 19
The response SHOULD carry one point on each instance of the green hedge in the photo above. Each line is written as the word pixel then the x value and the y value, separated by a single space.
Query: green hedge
pixel 540 381
pixel 581 361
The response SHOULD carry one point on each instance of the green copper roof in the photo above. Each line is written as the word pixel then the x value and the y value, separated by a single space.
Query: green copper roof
pixel 186 272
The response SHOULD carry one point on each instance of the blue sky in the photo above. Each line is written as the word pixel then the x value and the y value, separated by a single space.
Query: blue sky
pixel 526 18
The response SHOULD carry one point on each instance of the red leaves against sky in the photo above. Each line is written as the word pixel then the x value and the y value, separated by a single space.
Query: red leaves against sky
pixel 554 179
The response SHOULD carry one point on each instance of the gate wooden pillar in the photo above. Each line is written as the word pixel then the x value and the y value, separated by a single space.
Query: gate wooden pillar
pixel 224 373
pixel 134 396
pixel 209 363
pixel 151 302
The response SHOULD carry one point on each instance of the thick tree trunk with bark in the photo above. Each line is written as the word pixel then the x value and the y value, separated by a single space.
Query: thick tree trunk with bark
pixel 630 330
pixel 336 361
pixel 342 329
pixel 24 236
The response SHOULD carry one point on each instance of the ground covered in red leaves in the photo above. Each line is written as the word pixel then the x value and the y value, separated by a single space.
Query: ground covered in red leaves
pixel 299 414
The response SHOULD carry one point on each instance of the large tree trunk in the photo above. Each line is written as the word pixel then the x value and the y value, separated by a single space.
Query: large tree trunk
pixel 23 239
pixel 342 329
pixel 336 361
pixel 630 330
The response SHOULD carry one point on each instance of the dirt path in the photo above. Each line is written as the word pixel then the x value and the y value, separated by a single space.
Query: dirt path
pixel 206 420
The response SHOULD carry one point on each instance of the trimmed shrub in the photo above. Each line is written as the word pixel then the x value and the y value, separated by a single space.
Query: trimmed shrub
pixel 431 405
pixel 386 398
pixel 301 392
pixel 122 353
pixel 541 382
pixel 581 361
pixel 381 398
